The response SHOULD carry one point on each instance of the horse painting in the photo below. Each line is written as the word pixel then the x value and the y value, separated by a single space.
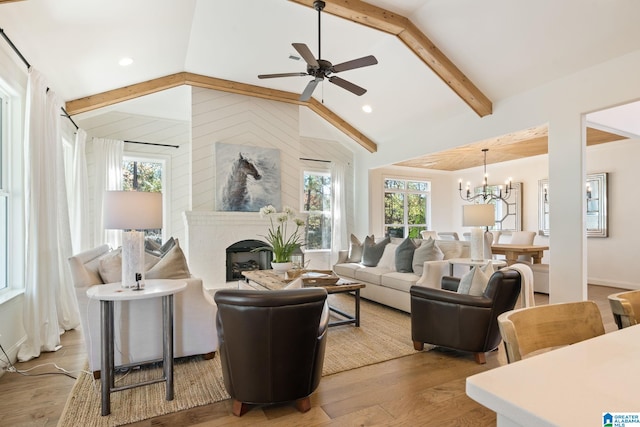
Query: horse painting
pixel 246 178
pixel 236 195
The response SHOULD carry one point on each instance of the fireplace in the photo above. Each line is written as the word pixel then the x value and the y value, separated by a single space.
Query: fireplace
pixel 241 258
pixel 210 233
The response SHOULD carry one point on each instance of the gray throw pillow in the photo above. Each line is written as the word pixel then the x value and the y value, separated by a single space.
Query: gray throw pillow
pixel 404 256
pixel 428 251
pixel 372 252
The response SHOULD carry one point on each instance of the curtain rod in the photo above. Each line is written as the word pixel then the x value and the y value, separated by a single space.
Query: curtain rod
pixel 15 49
pixel 315 160
pixel 153 143
pixel 65 114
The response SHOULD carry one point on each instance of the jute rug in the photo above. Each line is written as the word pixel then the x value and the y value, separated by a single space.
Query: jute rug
pixel 384 334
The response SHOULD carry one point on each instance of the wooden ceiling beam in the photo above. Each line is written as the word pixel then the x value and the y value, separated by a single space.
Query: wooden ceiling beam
pixel 126 93
pixel 401 27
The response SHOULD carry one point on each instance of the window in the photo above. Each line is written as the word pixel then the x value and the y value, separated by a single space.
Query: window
pixel 406 207
pixel 317 206
pixel 143 174
pixel 4 190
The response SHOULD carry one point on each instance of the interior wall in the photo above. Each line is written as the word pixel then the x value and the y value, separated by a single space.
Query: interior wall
pixel 561 104
pixel 609 260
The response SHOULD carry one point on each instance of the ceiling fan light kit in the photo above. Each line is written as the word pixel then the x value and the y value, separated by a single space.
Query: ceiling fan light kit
pixel 320 68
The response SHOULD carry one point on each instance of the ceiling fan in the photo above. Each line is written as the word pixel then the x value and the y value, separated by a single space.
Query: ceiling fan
pixel 321 68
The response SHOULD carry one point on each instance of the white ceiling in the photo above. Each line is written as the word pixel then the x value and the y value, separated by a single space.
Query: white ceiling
pixel 503 46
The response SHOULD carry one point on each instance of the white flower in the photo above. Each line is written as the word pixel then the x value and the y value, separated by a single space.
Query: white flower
pixel 283 218
pixel 289 211
pixel 267 210
pixel 298 222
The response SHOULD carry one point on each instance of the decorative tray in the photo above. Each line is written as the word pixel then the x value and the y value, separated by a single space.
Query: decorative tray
pixel 314 277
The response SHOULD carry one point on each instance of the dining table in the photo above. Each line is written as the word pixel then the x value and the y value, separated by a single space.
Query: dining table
pixel 591 383
pixel 511 252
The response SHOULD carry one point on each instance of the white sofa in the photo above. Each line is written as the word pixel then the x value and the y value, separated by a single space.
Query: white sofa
pixel 138 324
pixel 390 287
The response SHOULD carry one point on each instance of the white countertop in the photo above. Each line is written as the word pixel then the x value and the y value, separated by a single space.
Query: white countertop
pixel 570 386
pixel 153 288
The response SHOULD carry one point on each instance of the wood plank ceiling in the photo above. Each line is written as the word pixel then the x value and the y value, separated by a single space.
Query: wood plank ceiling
pixel 514 146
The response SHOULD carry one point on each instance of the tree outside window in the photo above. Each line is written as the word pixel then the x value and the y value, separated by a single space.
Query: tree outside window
pixel 143 175
pixel 317 206
pixel 406 207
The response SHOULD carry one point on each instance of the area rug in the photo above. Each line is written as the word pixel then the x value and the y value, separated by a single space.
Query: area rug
pixel 384 334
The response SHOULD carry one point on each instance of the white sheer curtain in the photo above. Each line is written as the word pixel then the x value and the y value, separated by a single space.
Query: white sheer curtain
pixel 108 160
pixel 79 196
pixel 50 303
pixel 338 210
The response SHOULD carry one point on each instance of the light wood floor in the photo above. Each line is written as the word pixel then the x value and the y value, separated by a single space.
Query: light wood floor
pixel 425 388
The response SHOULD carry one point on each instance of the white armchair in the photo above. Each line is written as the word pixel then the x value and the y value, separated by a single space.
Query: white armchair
pixel 138 324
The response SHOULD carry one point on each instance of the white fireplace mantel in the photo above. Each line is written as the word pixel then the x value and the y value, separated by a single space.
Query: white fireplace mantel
pixel 209 233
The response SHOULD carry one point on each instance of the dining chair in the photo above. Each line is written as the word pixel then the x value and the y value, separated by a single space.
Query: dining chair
pixel 523 238
pixel 425 234
pixel 531 329
pixel 625 307
pixel 448 235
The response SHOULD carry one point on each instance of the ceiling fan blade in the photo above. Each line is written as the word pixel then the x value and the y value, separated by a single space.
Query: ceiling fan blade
pixel 271 76
pixel 353 88
pixel 306 54
pixel 365 61
pixel 310 88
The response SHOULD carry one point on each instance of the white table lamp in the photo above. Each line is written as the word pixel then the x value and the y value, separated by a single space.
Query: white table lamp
pixel 478 216
pixel 132 211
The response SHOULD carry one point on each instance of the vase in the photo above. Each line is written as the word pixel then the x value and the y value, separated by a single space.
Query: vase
pixel 281 267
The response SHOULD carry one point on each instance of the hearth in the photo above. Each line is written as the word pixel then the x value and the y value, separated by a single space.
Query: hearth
pixel 241 258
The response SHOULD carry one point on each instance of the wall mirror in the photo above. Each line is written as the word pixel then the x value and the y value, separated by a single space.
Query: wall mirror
pixel 509 212
pixel 596 197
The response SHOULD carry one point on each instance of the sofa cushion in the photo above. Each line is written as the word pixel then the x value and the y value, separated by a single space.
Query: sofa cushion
pixel 372 252
pixel 347 269
pixel 388 258
pixel 428 251
pixel 399 281
pixel 404 256
pixel 355 249
pixel 371 274
pixel 475 281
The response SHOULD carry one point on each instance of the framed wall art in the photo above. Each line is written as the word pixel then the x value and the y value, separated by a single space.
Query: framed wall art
pixel 247 178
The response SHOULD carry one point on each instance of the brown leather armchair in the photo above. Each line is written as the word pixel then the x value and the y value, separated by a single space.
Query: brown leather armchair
pixel 272 345
pixel 443 317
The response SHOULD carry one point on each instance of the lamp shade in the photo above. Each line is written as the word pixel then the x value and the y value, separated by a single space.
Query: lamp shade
pixel 132 210
pixel 480 215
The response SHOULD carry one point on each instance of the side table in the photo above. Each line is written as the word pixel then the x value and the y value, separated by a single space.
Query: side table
pixel 112 292
pixel 471 263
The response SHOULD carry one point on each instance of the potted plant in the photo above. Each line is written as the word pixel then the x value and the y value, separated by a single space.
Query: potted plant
pixel 282 243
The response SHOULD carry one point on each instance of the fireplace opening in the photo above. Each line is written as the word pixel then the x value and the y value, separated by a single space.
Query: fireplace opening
pixel 240 258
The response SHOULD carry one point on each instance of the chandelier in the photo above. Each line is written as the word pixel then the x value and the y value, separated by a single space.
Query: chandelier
pixel 488 194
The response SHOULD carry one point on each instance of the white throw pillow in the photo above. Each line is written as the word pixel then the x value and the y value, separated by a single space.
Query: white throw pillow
pixel 388 258
pixel 475 281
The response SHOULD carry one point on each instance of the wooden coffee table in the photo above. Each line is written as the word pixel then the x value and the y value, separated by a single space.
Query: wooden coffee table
pixel 271 281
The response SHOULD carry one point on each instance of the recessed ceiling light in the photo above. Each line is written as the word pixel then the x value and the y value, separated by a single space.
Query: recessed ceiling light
pixel 125 61
pixel 367 108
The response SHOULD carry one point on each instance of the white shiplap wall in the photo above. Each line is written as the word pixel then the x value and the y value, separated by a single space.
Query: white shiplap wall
pixel 237 119
pixel 125 126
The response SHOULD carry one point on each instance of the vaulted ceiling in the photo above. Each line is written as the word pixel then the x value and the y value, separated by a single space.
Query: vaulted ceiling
pixel 437 59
